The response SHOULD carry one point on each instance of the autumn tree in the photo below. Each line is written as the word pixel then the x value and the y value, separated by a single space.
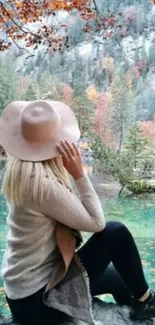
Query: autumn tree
pixel 39 22
pixel 148 130
pixel 102 121
pixel 67 94
pixel 17 20
pixel 92 94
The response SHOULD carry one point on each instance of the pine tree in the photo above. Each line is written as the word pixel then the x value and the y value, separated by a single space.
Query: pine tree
pixel 121 111
pixel 136 144
pixel 29 93
pixel 84 111
pixel 49 87
pixel 8 81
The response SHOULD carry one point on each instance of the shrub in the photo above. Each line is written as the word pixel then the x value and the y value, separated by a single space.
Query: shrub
pixel 138 186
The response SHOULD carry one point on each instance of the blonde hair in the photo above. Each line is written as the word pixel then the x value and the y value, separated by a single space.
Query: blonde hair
pixel 21 175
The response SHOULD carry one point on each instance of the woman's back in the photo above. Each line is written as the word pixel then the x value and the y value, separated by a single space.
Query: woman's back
pixel 30 252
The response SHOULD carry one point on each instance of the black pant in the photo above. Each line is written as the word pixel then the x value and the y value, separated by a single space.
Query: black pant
pixel 122 278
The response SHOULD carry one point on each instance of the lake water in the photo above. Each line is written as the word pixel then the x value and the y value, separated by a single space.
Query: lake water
pixel 138 214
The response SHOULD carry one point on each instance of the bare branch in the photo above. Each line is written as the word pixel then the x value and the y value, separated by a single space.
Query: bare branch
pixel 96 7
pixel 22 48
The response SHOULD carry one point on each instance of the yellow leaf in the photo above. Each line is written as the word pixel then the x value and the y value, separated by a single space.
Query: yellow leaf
pixel 19 5
pixel 92 93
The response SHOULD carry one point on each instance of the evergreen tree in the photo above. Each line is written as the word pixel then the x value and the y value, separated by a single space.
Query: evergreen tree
pixel 49 87
pixel 29 93
pixel 136 145
pixel 84 111
pixel 122 111
pixel 8 81
pixel 151 55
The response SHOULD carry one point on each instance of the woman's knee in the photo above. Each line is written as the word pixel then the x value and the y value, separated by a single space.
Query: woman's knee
pixel 114 228
pixel 115 225
pixel 115 232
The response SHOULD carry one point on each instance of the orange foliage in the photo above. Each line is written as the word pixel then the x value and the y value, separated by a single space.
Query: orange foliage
pixel 14 14
pixel 148 129
pixel 102 118
pixel 132 73
pixel 67 94
pixel 17 15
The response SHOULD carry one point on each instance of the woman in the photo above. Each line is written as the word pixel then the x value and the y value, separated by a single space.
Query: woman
pixel 39 197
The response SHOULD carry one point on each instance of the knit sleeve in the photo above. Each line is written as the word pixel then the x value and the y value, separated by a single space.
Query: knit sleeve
pixel 83 214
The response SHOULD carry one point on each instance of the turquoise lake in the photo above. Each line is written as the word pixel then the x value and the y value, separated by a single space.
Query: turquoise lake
pixel 137 213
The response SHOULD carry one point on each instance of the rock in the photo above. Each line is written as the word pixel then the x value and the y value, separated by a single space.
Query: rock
pixel 151 184
pixel 106 313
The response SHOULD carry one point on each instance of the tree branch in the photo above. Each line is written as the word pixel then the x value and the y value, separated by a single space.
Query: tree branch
pixel 19 47
pixel 9 2
pixel 25 30
pixel 120 192
pixel 96 7
pixel 15 23
pixel 22 48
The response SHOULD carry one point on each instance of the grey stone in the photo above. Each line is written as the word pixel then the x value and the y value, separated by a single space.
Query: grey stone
pixel 107 313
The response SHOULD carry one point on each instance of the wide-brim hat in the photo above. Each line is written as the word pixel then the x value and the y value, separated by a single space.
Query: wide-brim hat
pixel 30 131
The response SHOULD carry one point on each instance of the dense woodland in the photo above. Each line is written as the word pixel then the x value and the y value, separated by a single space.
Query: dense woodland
pixel 105 72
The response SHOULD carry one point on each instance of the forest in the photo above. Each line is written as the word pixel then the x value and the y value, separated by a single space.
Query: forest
pixel 100 61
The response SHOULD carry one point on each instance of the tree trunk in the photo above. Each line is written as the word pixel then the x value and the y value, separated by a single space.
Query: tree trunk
pixel 120 138
pixel 120 192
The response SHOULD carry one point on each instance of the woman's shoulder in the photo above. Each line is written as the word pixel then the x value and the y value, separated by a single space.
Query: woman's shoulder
pixel 53 186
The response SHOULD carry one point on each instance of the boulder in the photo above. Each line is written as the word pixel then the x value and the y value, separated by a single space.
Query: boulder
pixel 107 313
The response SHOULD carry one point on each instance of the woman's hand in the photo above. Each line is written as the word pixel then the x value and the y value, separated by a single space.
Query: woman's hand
pixel 71 159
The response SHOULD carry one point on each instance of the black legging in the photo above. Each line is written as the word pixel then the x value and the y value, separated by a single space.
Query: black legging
pixel 123 278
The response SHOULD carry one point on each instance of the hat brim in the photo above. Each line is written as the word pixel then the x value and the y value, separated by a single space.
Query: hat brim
pixel 14 143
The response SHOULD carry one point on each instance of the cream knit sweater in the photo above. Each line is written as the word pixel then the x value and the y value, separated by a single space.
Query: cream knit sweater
pixel 31 245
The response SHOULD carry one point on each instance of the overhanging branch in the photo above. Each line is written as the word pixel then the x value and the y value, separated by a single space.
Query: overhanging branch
pixel 96 7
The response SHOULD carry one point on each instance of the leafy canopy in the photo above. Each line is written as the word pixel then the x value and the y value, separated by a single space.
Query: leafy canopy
pixel 34 21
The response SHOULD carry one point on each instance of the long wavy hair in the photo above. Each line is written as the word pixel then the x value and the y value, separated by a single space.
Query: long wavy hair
pixel 20 175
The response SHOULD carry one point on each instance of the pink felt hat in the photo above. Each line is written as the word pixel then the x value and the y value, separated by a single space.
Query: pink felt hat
pixel 30 130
